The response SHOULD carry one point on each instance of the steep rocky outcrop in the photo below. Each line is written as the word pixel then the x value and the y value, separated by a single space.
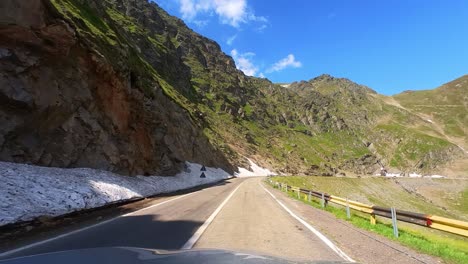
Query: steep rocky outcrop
pixel 66 103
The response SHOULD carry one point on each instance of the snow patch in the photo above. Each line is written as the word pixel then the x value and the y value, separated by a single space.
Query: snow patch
pixel 435 176
pixel 462 148
pixel 255 171
pixel 27 191
pixel 412 175
pixel 393 175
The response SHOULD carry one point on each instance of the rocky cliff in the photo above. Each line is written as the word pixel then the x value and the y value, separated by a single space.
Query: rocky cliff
pixel 123 86
pixel 75 93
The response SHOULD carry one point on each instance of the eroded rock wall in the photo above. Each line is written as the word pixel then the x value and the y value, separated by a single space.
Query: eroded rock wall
pixel 63 105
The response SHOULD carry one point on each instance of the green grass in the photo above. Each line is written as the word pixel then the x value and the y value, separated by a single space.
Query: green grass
pixel 93 23
pixel 450 250
pixel 444 105
pixel 412 146
pixel 124 21
pixel 463 200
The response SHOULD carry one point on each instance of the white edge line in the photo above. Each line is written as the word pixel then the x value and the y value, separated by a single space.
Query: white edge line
pixel 313 230
pixel 191 242
pixel 4 254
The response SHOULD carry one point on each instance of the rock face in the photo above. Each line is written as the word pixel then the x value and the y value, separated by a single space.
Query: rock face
pixel 121 85
pixel 64 104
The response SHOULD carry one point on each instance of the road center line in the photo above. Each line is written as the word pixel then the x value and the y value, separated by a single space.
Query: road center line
pixel 312 229
pixel 191 242
pixel 4 254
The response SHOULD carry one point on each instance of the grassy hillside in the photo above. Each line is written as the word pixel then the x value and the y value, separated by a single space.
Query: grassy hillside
pixel 386 133
pixel 444 112
pixel 446 106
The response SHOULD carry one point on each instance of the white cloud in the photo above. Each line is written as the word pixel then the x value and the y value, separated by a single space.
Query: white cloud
pixel 231 12
pixel 289 61
pixel 244 62
pixel 187 8
pixel 231 39
pixel 261 28
pixel 201 23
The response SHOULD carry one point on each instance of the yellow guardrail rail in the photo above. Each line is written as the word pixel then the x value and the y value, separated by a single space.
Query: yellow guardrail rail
pixel 432 221
pixel 449 225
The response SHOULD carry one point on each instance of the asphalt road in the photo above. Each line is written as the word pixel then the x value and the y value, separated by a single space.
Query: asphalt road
pixel 253 220
pixel 250 220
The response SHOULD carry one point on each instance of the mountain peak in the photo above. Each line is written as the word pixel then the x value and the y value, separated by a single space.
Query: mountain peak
pixel 324 77
pixel 328 84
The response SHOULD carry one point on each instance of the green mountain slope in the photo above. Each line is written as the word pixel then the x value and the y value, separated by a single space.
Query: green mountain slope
pixel 446 106
pixel 138 92
pixel 392 136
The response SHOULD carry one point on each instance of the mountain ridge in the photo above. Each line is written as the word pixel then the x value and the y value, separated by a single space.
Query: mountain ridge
pixel 152 93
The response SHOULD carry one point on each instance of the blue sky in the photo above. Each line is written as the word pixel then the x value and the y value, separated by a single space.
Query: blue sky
pixel 390 46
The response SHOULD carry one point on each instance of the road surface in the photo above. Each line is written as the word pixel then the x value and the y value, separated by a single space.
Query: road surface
pixel 238 214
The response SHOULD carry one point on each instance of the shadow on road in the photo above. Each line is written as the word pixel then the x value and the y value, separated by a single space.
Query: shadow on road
pixel 27 232
pixel 144 231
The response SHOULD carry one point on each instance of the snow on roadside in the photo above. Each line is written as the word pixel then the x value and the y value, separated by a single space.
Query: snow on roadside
pixel 412 175
pixel 392 175
pixel 27 191
pixel 434 176
pixel 462 149
pixel 255 171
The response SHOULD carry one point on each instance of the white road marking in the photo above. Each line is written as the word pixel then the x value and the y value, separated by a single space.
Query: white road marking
pixel 4 254
pixel 312 229
pixel 191 242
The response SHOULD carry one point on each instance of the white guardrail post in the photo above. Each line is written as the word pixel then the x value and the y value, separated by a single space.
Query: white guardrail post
pixel 394 222
pixel 348 213
pixel 322 202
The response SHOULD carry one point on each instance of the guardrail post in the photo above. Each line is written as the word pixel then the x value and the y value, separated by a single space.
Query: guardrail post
pixel 310 194
pixel 394 222
pixel 322 202
pixel 298 193
pixel 373 220
pixel 348 213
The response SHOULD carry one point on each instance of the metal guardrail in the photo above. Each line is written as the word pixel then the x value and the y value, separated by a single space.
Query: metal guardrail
pixel 431 221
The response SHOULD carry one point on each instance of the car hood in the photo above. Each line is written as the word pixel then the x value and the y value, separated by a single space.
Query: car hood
pixel 127 255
